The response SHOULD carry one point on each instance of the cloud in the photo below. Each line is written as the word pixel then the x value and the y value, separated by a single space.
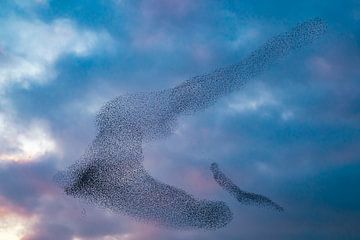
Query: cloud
pixel 29 51
pixel 259 99
pixel 39 210
pixel 14 224
pixel 253 102
pixel 25 141
pixel 31 48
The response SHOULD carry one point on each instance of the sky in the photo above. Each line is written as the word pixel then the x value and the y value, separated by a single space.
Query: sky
pixel 290 134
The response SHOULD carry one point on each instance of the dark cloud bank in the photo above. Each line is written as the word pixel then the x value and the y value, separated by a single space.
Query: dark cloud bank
pixel 111 173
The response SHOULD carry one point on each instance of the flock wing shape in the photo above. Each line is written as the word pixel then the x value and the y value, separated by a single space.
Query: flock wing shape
pixel 111 173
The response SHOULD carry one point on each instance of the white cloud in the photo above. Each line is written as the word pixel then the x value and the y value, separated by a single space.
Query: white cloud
pixel 261 100
pixel 14 227
pixel 25 141
pixel 30 48
pixel 242 103
pixel 13 224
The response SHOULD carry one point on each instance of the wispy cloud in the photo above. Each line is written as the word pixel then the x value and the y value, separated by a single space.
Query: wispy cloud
pixel 261 100
pixel 30 48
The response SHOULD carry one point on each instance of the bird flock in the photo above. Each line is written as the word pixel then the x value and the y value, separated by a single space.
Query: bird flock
pixel 111 174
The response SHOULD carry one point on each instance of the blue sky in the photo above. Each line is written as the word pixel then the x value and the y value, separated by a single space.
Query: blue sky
pixel 291 134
